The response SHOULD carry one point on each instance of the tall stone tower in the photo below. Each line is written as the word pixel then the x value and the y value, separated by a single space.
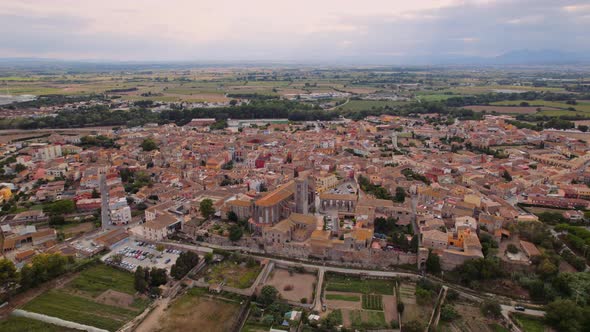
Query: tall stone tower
pixel 394 139
pixel 301 195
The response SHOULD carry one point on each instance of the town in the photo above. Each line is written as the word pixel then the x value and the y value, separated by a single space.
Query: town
pixel 387 221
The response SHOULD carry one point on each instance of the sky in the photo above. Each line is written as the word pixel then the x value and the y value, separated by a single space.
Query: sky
pixel 282 30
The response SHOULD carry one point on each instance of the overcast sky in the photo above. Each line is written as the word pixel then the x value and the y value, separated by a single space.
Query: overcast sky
pixel 282 30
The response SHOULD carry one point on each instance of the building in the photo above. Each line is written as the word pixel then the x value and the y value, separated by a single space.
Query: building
pixel 298 227
pixel 159 228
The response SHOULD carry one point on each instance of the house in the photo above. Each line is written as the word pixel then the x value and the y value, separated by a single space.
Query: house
pixel 529 249
pixel 159 228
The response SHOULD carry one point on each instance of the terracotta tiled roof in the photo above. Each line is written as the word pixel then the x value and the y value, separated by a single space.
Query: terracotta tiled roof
pixel 277 195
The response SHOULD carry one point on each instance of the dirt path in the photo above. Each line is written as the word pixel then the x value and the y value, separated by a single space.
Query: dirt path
pixel 23 298
pixel 346 318
pixel 152 321
pixel 57 321
pixel 390 308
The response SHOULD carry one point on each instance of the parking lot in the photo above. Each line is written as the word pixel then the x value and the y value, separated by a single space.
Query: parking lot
pixel 345 188
pixel 137 253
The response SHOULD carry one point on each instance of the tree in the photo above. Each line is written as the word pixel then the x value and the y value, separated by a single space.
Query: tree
pixel 507 176
pixel 423 296
pixel 57 220
pixel 140 282
pixel 206 208
pixel 149 144
pixel 185 262
pixel 157 277
pixel 433 263
pixel 63 206
pixel 8 274
pixel 117 259
pixel 208 257
pixel 413 326
pixel 95 193
pixel 19 167
pixel 268 295
pixel 400 307
pixel 513 249
pixel 414 244
pixel 448 313
pixel 491 309
pixel 400 195
pixel 232 216
pixel 583 128
pixel 27 279
pixel 564 315
pixel 235 233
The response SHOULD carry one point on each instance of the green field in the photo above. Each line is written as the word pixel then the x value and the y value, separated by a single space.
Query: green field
pixel 78 301
pixel 81 310
pixel 581 106
pixel 434 96
pixel 351 298
pixel 99 278
pixel 361 105
pixel 22 324
pixel 528 323
pixel 372 302
pixel 341 283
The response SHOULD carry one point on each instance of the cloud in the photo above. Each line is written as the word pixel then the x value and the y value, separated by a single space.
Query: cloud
pixel 305 30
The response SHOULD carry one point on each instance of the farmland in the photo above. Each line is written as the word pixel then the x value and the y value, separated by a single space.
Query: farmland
pixel 359 105
pixel 234 274
pixel 100 296
pixel 198 311
pixel 470 318
pixel 372 302
pixel 342 297
pixel 363 303
pixel 503 109
pixel 293 286
pixel 582 105
pixel 341 283
pixel 412 309
pixel 362 319
pixel 22 324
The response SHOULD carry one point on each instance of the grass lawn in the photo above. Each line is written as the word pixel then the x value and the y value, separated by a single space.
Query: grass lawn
pixel 81 310
pixel 235 275
pixel 99 278
pixel 528 323
pixel 342 283
pixel 352 298
pixel 22 324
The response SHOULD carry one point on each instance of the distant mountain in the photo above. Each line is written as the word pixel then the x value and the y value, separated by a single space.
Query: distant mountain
pixel 545 57
pixel 511 58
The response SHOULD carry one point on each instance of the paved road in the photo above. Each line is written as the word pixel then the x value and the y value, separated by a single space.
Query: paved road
pixel 531 312
pixel 104 195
